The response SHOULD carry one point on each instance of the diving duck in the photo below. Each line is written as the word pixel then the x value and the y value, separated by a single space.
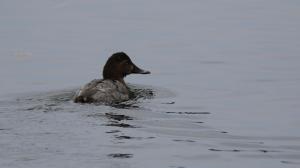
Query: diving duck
pixel 112 88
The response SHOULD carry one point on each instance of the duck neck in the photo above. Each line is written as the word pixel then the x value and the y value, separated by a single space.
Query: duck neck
pixel 117 79
pixel 122 81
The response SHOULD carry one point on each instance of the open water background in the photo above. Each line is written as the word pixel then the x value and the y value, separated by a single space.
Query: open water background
pixel 225 83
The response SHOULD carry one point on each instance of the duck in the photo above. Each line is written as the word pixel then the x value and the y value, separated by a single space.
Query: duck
pixel 111 88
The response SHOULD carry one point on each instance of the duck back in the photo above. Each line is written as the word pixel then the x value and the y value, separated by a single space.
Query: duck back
pixel 105 91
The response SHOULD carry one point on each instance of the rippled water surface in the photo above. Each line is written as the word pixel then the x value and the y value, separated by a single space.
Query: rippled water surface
pixel 224 89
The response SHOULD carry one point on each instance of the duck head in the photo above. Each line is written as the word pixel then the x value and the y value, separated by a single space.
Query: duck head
pixel 119 65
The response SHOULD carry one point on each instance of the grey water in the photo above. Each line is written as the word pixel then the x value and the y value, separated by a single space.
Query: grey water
pixel 224 88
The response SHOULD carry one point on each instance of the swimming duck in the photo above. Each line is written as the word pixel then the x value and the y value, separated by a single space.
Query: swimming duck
pixel 112 88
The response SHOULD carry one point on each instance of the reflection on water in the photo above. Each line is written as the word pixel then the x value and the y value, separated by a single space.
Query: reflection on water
pixel 189 113
pixel 120 155
pixel 130 125
pixel 118 124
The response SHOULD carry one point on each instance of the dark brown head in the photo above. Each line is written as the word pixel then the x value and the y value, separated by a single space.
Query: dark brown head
pixel 119 65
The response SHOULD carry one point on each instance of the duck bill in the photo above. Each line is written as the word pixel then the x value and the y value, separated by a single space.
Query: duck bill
pixel 137 70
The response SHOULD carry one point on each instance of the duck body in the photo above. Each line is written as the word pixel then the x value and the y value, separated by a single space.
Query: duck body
pixel 112 88
pixel 102 91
